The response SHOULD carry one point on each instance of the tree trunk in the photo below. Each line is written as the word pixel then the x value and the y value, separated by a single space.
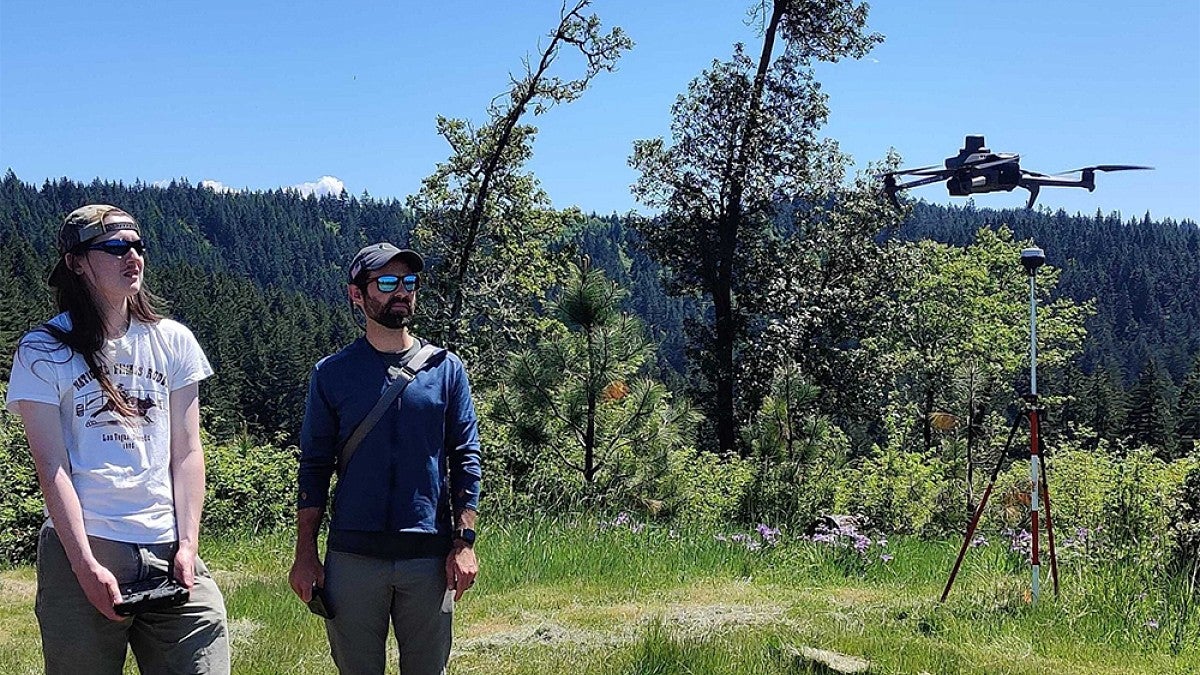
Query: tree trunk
pixel 728 229
pixel 589 433
pixel 473 210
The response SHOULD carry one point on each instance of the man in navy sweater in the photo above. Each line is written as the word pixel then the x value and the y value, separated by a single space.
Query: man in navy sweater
pixel 402 529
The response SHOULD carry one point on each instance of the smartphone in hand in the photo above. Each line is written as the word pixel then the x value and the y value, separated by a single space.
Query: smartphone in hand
pixel 319 605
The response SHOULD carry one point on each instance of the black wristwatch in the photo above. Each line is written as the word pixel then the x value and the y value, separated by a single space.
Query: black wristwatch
pixel 466 535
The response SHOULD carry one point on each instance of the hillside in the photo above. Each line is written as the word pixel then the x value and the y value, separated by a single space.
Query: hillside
pixel 259 278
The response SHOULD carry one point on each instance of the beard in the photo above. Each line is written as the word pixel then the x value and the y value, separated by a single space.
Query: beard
pixel 395 315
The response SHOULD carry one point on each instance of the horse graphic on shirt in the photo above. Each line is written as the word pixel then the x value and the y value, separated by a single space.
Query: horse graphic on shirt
pixel 140 405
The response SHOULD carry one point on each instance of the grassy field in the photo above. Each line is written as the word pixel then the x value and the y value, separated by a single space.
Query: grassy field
pixel 587 599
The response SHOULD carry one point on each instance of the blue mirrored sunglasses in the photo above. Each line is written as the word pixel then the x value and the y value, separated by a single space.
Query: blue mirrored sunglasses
pixel 388 283
pixel 118 247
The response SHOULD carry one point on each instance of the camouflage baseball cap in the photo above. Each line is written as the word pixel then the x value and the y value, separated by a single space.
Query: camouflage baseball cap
pixel 84 224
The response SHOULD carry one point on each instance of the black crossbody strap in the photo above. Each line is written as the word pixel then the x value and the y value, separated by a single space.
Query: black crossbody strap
pixel 407 374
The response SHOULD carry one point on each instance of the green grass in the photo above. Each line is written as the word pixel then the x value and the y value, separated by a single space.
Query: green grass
pixel 568 596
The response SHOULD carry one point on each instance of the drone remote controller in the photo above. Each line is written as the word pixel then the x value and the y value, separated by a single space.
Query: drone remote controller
pixel 150 594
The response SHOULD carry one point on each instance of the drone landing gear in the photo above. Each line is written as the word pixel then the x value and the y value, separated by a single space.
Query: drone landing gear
pixel 1034 189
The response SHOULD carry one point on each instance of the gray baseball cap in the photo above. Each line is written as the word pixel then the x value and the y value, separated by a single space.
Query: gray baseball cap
pixel 84 224
pixel 373 257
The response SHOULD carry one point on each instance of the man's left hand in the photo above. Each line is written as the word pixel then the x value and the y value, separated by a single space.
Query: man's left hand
pixel 461 568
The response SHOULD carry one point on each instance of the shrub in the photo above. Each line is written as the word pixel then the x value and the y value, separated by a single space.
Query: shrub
pixel 20 497
pixel 250 487
pixel 898 491
pixel 1124 503
pixel 702 487
pixel 1185 522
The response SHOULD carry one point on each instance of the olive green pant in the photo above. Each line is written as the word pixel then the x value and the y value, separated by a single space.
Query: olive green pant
pixel 191 638
pixel 365 594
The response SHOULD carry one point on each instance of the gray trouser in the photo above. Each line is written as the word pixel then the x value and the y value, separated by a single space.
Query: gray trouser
pixel 364 593
pixel 191 638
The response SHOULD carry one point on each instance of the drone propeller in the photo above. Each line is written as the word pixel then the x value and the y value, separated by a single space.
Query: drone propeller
pixel 1105 167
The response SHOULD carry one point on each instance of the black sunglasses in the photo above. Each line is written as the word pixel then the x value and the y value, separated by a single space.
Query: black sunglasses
pixel 388 283
pixel 118 247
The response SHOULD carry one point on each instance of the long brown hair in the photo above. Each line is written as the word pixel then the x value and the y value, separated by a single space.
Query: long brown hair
pixel 87 328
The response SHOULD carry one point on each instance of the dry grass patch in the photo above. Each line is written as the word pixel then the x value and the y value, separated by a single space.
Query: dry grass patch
pixel 571 616
pixel 18 587
pixel 231 580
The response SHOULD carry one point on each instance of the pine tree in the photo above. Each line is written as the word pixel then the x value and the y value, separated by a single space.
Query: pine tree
pixel 1152 411
pixel 1188 415
pixel 580 395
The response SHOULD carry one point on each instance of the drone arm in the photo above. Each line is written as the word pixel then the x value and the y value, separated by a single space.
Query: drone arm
pixel 892 187
pixel 1034 182
pixel 919 182
pixel 1041 180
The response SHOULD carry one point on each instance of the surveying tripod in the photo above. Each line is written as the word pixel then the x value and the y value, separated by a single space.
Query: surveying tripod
pixel 1039 488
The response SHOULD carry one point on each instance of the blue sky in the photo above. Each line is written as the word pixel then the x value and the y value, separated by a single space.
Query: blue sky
pixel 266 94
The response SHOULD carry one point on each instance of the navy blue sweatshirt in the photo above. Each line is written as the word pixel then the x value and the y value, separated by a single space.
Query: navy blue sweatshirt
pixel 420 460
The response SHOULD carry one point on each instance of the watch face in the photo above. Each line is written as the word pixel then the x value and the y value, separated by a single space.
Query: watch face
pixel 465 534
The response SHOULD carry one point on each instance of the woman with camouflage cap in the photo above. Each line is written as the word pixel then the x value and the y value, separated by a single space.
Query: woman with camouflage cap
pixel 108 392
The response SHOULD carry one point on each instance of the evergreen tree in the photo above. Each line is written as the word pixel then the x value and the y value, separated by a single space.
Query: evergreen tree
pixel 1151 418
pixel 580 395
pixel 1107 411
pixel 1188 425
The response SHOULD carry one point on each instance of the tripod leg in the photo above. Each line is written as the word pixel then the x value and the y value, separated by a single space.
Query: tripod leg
pixel 962 552
pixel 1049 521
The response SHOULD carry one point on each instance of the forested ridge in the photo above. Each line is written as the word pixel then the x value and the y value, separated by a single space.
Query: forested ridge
pixel 259 277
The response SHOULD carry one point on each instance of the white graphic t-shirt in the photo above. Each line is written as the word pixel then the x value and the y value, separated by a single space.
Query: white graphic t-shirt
pixel 120 466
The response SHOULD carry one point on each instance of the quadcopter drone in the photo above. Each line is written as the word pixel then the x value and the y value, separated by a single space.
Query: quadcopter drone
pixel 975 170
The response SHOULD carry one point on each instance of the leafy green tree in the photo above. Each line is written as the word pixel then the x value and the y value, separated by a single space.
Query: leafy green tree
pixel 484 224
pixel 821 285
pixel 579 394
pixel 961 338
pixel 744 138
